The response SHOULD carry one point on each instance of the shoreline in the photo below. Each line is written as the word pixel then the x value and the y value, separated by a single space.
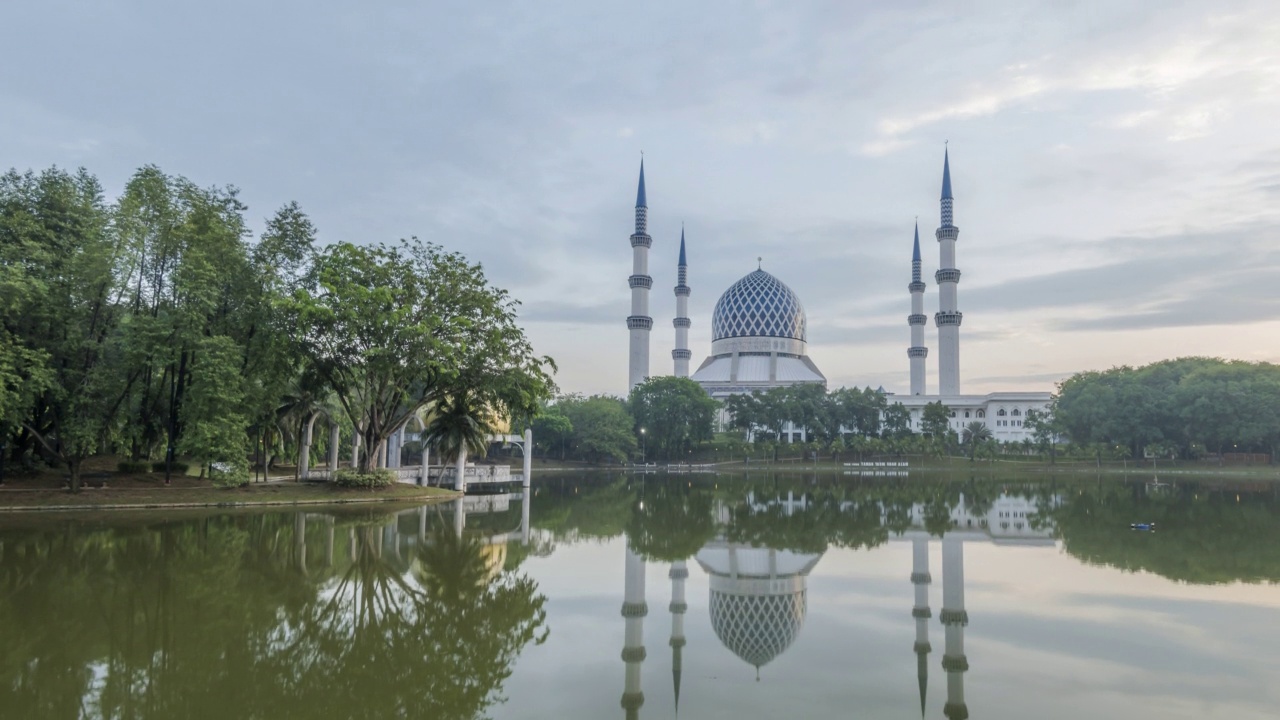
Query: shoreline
pixel 272 495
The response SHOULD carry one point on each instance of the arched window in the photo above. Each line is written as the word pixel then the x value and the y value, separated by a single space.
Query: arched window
pixel 1001 413
pixel 966 413
pixel 1016 412
pixel 982 413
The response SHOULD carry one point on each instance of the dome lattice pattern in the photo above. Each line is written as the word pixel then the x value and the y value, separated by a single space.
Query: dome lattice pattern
pixel 758 305
pixel 757 628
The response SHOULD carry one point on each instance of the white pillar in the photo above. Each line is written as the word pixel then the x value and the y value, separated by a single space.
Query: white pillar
pixel 460 468
pixel 304 451
pixel 335 436
pixel 424 472
pixel 355 450
pixel 394 444
pixel 528 458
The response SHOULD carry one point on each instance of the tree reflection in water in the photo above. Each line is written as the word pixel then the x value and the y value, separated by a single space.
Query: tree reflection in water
pixel 226 617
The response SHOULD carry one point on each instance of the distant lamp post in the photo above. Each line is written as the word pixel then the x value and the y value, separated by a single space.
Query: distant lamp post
pixel 642 443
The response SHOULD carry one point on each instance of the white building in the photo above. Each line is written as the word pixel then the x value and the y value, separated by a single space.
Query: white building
pixel 759 335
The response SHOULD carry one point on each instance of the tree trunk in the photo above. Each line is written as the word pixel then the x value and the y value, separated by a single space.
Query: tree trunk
pixel 73 466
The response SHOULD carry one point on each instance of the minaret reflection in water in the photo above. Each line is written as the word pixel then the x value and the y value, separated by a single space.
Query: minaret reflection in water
pixel 634 610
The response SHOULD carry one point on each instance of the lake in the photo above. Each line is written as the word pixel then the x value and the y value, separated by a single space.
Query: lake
pixel 657 596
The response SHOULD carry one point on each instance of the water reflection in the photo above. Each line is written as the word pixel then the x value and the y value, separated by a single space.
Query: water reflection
pixel 265 615
pixel 370 614
pixel 758 545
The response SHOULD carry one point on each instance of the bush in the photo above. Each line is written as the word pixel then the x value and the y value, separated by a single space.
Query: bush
pixel 132 467
pixel 229 475
pixel 363 480
pixel 175 467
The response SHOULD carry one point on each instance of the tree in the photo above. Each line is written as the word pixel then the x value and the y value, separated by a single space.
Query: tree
pixel 935 420
pixel 392 329
pixel 975 434
pixel 552 429
pixel 603 430
pixel 56 226
pixel 459 425
pixel 675 413
pixel 897 421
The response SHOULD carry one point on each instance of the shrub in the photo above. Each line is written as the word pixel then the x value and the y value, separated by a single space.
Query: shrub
pixel 363 480
pixel 229 475
pixel 175 467
pixel 132 467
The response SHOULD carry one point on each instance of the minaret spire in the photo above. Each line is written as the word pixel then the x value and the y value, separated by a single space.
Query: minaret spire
pixel 917 353
pixel 948 317
pixel 920 578
pixel 681 355
pixel 679 572
pixel 638 322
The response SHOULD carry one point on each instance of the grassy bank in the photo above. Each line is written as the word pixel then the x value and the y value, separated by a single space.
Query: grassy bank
pixel 176 496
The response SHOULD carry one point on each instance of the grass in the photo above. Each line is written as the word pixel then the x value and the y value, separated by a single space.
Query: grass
pixel 115 491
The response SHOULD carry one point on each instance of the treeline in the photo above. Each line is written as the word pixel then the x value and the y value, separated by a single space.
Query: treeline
pixel 1187 407
pixel 154 326
pixel 664 418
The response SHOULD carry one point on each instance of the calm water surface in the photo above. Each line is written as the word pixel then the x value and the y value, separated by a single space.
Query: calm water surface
pixel 702 596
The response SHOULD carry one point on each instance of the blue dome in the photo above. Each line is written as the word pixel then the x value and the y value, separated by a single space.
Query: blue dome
pixel 758 305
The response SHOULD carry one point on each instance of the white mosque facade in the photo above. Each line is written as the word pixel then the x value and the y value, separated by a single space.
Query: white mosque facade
pixel 760 335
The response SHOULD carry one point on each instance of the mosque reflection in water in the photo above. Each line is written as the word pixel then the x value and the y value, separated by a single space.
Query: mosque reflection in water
pixel 759 594
pixel 430 611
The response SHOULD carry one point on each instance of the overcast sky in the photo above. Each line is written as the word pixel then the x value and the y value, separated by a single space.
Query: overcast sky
pixel 1116 165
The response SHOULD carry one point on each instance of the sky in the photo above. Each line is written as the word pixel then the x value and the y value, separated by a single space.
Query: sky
pixel 1115 164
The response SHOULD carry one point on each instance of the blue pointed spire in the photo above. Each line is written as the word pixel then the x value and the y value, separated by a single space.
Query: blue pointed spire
pixel 915 251
pixel 946 176
pixel 640 200
pixel 682 262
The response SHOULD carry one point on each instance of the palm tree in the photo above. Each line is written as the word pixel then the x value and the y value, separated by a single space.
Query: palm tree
pixel 460 424
pixel 974 434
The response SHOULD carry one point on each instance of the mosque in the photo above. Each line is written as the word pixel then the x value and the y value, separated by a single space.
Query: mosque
pixel 760 339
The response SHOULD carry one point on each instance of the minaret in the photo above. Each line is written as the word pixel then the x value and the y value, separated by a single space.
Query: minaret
pixel 921 579
pixel 679 572
pixel 954 619
pixel 633 611
pixel 948 316
pixel 639 322
pixel 681 354
pixel 917 352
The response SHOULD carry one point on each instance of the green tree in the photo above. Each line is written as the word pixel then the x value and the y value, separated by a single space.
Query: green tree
pixel 459 425
pixel 603 430
pixel 57 227
pixel 392 329
pixel 975 433
pixel 935 420
pixel 676 413
pixel 897 421
pixel 552 430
